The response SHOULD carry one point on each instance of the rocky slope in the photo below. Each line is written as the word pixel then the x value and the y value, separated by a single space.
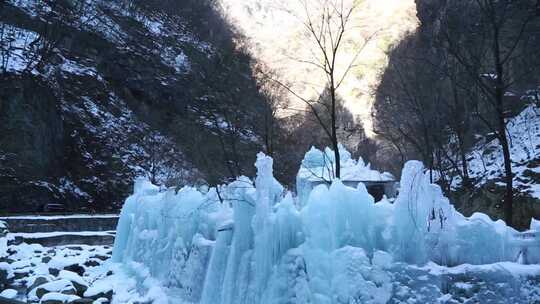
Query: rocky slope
pixel 93 93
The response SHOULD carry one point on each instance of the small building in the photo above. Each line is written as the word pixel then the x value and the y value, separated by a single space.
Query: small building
pixel 318 168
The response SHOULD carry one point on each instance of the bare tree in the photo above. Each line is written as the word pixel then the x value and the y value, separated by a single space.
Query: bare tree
pixel 276 100
pixel 327 23
pixel 489 49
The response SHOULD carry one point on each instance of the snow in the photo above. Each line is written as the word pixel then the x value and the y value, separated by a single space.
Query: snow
pixel 31 7
pixel 486 159
pixel 59 286
pixel 100 287
pixel 76 68
pixel 259 246
pixel 72 277
pixel 56 296
pixel 27 263
pixel 16 48
pixel 319 167
pixel 535 224
pixel 8 293
pixel 3 240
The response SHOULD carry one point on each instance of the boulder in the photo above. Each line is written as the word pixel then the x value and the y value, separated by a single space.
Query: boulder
pixel 61 286
pixel 99 290
pixel 76 268
pixel 82 301
pixel 78 282
pixel 38 282
pixel 101 257
pixel 91 263
pixel 6 275
pixel 54 271
pixel 57 298
pixel 8 293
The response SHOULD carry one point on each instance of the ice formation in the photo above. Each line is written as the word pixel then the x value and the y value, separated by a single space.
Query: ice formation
pixel 319 167
pixel 253 243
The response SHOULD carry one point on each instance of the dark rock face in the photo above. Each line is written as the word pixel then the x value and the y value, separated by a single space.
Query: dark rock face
pixel 31 140
pixel 83 89
pixel 32 128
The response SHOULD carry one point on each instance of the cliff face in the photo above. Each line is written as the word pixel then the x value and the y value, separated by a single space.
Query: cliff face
pixel 94 93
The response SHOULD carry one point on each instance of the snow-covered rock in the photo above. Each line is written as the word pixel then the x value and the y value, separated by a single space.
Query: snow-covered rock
pixel 8 293
pixel 58 298
pixel 60 286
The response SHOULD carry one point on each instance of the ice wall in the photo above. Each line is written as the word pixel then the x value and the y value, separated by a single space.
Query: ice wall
pixel 252 243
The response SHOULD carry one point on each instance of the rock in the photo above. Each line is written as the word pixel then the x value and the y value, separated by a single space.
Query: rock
pixel 10 301
pixel 38 282
pixel 4 229
pixel 52 301
pixel 45 260
pixel 3 277
pixel 8 293
pixel 99 291
pixel 91 263
pixel 78 282
pixel 101 257
pixel 54 271
pixel 82 301
pixel 20 275
pixel 78 269
pixel 78 248
pixel 102 301
pixel 80 288
pixel 62 286
pixel 6 275
pixel 57 298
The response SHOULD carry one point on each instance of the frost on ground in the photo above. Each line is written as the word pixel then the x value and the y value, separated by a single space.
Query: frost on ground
pixel 253 243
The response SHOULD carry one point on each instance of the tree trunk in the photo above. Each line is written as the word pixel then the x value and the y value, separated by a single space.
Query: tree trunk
pixel 335 143
pixel 464 165
pixel 501 126
pixel 508 197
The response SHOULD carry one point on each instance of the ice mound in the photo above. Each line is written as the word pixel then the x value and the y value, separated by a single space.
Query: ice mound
pixel 319 167
pixel 252 243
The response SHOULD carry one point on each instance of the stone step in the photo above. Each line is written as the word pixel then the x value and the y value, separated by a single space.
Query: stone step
pixel 72 223
pixel 49 239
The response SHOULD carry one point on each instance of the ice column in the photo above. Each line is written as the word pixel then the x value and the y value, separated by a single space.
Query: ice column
pixel 262 221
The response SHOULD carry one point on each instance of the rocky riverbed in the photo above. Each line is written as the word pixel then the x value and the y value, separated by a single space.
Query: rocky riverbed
pixel 54 275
